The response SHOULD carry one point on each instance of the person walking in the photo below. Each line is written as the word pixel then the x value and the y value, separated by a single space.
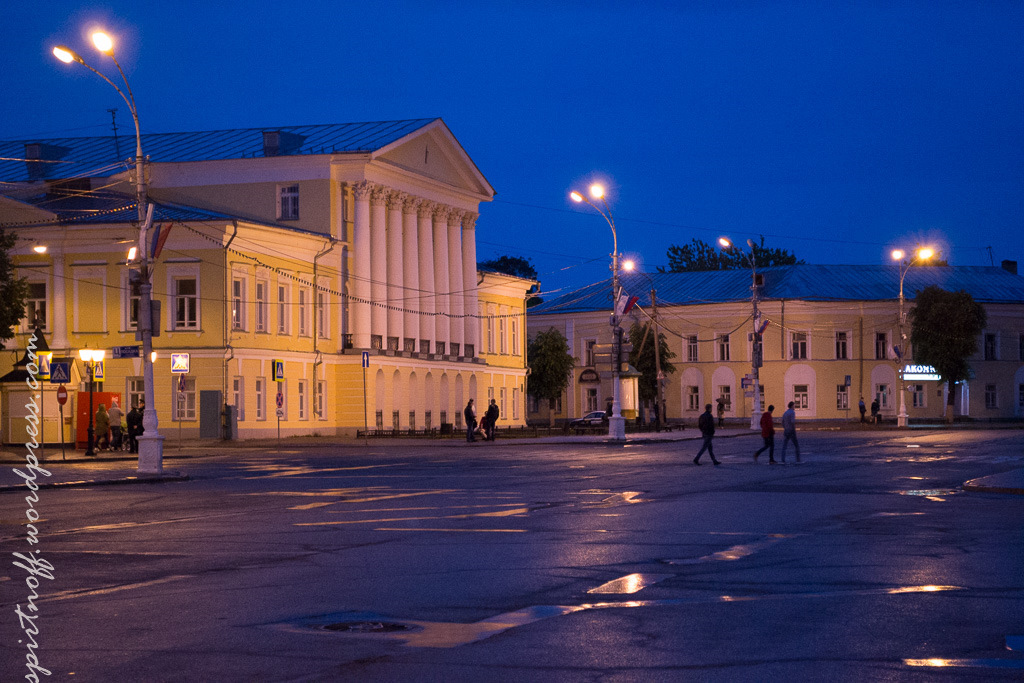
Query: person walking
pixel 492 419
pixel 768 434
pixel 115 415
pixel 863 409
pixel 102 442
pixel 789 431
pixel 706 424
pixel 721 412
pixel 470 415
pixel 134 420
pixel 875 409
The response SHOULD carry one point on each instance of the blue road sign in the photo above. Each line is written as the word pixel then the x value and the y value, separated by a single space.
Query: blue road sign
pixel 125 352
pixel 366 359
pixel 60 372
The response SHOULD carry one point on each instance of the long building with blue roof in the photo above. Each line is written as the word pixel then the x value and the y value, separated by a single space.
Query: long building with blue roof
pixel 322 251
pixel 831 340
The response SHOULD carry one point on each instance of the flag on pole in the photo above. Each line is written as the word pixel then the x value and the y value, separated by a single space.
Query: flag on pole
pixel 625 302
pixel 160 234
pixel 760 324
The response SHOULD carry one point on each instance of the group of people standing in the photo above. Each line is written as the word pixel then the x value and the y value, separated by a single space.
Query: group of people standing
pixel 706 424
pixel 110 429
pixel 486 426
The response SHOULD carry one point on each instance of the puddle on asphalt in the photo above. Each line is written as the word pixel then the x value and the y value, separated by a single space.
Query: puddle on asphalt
pixel 612 498
pixel 736 552
pixel 938 662
pixel 936 495
pixel 631 583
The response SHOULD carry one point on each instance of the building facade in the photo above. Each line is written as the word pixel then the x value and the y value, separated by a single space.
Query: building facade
pixel 831 337
pixel 333 266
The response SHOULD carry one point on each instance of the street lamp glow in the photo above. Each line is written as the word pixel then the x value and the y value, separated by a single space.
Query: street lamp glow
pixel 39 248
pixel 597 191
pixel 63 54
pixel 132 253
pixel 628 265
pixel 897 254
pixel 102 42
pixel 725 242
pixel 925 253
pixel 576 197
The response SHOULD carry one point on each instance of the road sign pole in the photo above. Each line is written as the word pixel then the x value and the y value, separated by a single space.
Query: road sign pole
pixel 366 423
pixel 63 454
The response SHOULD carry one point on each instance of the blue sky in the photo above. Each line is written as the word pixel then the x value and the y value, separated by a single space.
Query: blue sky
pixel 837 130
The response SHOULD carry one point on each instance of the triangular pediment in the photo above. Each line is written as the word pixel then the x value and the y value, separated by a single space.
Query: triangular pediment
pixel 433 151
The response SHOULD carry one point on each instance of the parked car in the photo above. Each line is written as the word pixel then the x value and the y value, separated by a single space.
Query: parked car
pixel 595 418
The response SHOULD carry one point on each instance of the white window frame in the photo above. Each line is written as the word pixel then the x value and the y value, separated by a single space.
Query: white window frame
pixel 288 202
pixel 239 285
pixel 502 404
pixel 917 396
pixel 801 396
pixel 991 397
pixel 515 336
pixel 135 390
pixel 588 353
pixel 188 325
pixel 515 403
pixel 304 319
pixel 693 398
pixel 284 311
pixel 261 398
pixel 189 412
pixel 995 345
pixel 502 338
pixel 490 330
pixel 323 313
pixel 722 348
pixel 30 301
pixel 692 349
pixel 262 309
pixel 842 397
pixel 845 341
pixel 882 396
pixel 320 409
pixel 799 345
pixel 238 394
pixel 725 393
pixel 303 398
pixel 131 298
pixel 883 339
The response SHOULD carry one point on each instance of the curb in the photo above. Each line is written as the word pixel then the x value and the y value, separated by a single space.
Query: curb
pixel 982 488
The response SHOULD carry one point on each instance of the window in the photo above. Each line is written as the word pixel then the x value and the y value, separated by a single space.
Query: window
pixel 502 407
pixel 882 395
pixel 589 400
pixel 533 407
pixel 35 305
pixel 132 313
pixel 515 403
pixel 261 398
pixel 800 395
pixel 693 398
pixel 502 337
pixel 490 331
pixel 393 344
pixel 303 312
pixel 379 419
pixel 184 401
pixel 412 420
pixel 323 328
pixel 283 312
pixel 136 391
pixel 1020 399
pixel 515 337
pixel 261 305
pixel 428 418
pixel 409 345
pixel 842 349
pixel 458 419
pixel 455 348
pixel 842 394
pixel 917 395
pixel 288 203
pixel 725 393
pixel 303 399
pixel 186 304
pixel 799 346
pixel 439 348
pixel 588 352
pixel 238 392
pixel 237 303
pixel 881 346
pixel 558 405
pixel 991 347
pixel 691 349
pixel 320 405
pixel 990 396
pixel 444 417
pixel 723 347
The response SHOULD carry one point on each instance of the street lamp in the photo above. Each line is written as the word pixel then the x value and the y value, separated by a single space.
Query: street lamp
pixel 922 254
pixel 659 396
pixel 151 443
pixel 756 356
pixel 91 357
pixel 616 424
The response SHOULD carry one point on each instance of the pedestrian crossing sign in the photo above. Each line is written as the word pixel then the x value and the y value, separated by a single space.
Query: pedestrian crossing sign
pixel 60 372
pixel 97 372
pixel 278 370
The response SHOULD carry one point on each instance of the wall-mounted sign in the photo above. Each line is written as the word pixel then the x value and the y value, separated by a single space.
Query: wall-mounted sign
pixel 589 375
pixel 924 372
pixel 179 362
pixel 277 370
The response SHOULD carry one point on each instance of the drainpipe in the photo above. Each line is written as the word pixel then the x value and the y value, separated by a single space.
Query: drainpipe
pixel 229 351
pixel 317 357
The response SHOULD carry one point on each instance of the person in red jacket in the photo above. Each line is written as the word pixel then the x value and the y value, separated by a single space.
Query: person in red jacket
pixel 768 434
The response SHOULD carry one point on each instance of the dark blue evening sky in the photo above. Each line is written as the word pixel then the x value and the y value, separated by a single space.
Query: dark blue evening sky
pixel 836 129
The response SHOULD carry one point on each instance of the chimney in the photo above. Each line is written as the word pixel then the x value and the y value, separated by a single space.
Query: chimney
pixel 1010 266
pixel 271 142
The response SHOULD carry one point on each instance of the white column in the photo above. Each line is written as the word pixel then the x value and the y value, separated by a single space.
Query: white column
pixel 59 312
pixel 469 278
pixel 441 281
pixel 378 262
pixel 411 270
pixel 359 282
pixel 396 295
pixel 426 267
pixel 456 295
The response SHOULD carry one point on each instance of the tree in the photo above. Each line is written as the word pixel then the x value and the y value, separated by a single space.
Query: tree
pixel 551 366
pixel 642 358
pixel 13 291
pixel 944 331
pixel 516 266
pixel 700 255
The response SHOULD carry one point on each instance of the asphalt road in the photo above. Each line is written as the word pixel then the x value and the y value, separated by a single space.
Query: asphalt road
pixel 512 562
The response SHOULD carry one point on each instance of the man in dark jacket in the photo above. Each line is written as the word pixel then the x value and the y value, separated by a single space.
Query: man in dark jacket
pixel 768 434
pixel 706 424
pixel 134 420
pixel 492 419
pixel 470 414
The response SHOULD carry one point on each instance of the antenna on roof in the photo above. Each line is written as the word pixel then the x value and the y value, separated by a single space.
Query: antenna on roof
pixel 990 259
pixel 113 122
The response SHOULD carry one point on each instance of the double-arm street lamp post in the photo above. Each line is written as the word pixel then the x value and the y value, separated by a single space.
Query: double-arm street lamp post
pixel 91 357
pixel 150 442
pixel 756 358
pixel 616 423
pixel 922 254
pixel 659 396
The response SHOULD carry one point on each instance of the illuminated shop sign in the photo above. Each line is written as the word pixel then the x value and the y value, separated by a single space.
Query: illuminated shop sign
pixel 925 372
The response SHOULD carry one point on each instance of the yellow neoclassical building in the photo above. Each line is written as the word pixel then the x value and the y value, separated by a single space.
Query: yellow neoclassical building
pixel 331 269
pixel 828 341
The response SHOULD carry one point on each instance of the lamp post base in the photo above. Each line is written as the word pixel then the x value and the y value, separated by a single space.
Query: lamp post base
pixel 151 454
pixel 617 428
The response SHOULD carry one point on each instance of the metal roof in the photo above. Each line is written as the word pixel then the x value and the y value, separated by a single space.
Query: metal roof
pixel 801 283
pixel 103 156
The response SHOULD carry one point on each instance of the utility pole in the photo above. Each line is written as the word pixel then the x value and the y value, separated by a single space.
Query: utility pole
pixel 659 396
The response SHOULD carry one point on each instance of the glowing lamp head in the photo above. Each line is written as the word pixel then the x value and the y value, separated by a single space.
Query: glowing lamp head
pixel 152 357
pixel 102 42
pixel 132 253
pixel 63 54
pixel 576 197
pixel 39 248
pixel 925 253
pixel 897 254
pixel 597 191
pixel 725 242
pixel 628 265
